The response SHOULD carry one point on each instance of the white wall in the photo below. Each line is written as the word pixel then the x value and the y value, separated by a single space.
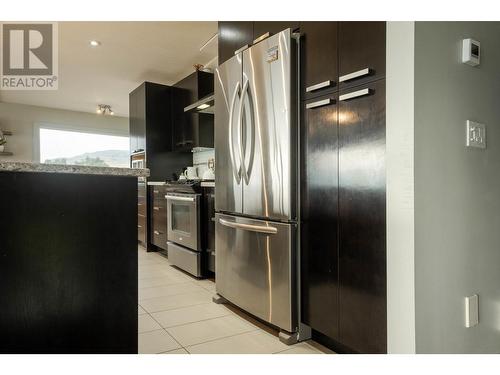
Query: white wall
pixel 457 190
pixel 400 193
pixel 20 119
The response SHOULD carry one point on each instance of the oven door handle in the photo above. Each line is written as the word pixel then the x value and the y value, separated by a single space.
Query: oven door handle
pixel 249 227
pixel 182 199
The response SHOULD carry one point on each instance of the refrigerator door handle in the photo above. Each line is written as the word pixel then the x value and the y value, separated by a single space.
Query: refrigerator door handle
pixel 249 227
pixel 244 92
pixel 236 170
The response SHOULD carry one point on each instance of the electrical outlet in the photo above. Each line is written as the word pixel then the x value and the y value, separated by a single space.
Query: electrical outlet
pixel 476 134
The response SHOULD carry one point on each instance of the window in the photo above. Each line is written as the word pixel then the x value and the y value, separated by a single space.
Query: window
pixel 61 146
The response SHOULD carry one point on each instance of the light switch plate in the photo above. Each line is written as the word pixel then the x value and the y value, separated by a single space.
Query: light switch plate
pixel 471 311
pixel 476 134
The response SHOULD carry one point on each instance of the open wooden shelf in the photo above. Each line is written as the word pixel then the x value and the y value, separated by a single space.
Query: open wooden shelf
pixel 6 153
pixel 6 132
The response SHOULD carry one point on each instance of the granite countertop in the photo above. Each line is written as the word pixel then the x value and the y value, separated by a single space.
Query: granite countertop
pixel 9 166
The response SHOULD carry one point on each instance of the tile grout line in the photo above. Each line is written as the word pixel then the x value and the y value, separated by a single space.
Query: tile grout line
pixel 198 321
pixel 219 338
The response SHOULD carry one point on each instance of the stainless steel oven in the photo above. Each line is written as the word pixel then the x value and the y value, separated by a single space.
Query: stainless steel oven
pixel 184 219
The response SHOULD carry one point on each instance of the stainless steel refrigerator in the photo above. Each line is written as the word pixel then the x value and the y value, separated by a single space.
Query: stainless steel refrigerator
pixel 256 181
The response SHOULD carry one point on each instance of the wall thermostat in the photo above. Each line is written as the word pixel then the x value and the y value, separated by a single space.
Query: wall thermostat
pixel 471 52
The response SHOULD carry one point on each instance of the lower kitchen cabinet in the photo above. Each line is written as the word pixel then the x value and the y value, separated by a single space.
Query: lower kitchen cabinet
pixel 159 217
pixel 319 233
pixel 362 218
pixel 142 213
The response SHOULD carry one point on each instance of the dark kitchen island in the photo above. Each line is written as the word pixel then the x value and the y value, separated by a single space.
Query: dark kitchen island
pixel 68 259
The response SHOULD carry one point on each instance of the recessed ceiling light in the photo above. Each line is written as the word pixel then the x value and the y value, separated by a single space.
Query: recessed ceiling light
pixel 94 43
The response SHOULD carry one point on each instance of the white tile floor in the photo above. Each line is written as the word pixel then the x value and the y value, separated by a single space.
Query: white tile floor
pixel 177 316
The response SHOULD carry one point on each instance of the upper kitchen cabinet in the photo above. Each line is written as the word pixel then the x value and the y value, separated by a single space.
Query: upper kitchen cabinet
pixel 272 27
pixel 193 129
pixel 150 118
pixel 232 36
pixel 361 52
pixel 319 57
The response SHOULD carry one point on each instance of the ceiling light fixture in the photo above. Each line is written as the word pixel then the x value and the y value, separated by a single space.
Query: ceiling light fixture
pixel 104 109
pixel 94 43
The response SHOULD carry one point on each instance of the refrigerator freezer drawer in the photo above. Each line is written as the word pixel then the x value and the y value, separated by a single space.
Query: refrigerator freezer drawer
pixel 254 264
pixel 188 260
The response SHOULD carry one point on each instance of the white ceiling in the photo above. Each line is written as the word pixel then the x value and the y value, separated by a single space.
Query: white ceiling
pixel 130 53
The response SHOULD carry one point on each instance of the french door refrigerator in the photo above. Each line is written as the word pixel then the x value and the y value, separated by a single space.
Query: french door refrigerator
pixel 256 183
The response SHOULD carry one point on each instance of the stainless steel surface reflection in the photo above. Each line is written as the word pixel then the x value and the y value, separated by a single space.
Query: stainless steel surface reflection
pixel 254 267
pixel 256 179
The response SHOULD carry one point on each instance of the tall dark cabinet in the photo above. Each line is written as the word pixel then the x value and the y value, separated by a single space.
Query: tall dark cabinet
pixel 319 215
pixel 343 220
pixel 151 122
pixel 151 129
pixel 343 192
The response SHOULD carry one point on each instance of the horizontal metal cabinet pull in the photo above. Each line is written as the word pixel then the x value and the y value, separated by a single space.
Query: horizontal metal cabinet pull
pixel 156 208
pixel 262 37
pixel 249 227
pixel 139 226
pixel 157 232
pixel 355 94
pixel 318 86
pixel 353 75
pixel 319 103
pixel 176 198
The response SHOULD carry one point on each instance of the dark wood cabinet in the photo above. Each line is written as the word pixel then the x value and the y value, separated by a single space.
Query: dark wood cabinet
pixel 272 27
pixel 142 212
pixel 158 217
pixel 361 52
pixel 232 36
pixel 150 118
pixel 137 119
pixel 208 225
pixel 151 129
pixel 362 215
pixel 193 129
pixel 319 60
pixel 319 235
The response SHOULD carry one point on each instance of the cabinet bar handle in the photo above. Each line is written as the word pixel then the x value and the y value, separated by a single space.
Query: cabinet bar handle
pixel 139 226
pixel 246 46
pixel 359 73
pixel 355 94
pixel 319 103
pixel 157 232
pixel 156 208
pixel 262 37
pixel 318 86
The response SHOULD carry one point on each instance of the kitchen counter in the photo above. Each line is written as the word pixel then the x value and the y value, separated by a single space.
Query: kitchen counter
pixel 8 166
pixel 68 259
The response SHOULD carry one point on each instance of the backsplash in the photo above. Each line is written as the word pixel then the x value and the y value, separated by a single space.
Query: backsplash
pixel 200 160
